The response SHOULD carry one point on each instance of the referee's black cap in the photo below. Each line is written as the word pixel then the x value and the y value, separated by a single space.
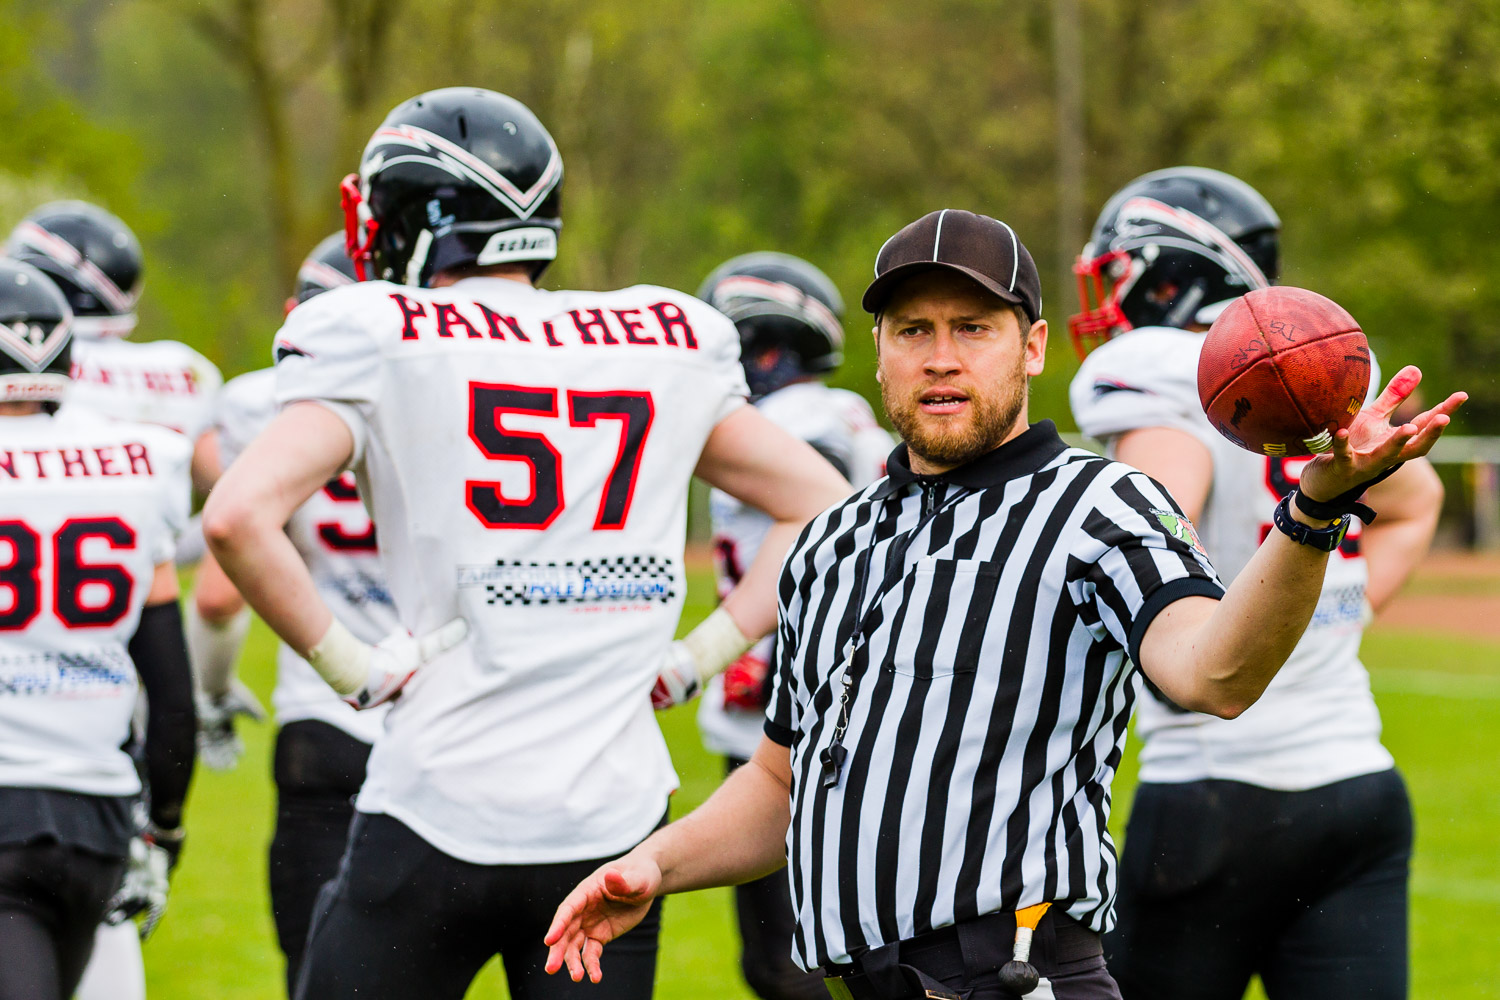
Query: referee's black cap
pixel 983 248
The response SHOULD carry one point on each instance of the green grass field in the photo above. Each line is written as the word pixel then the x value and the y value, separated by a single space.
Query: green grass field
pixel 1440 697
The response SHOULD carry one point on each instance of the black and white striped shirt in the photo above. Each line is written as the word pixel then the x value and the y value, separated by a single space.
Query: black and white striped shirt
pixel 1002 604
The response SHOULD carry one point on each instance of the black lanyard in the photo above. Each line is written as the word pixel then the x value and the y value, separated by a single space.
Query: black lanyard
pixel 834 755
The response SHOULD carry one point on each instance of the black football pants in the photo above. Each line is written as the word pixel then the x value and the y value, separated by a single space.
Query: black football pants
pixel 764 911
pixel 1221 881
pixel 52 898
pixel 403 919
pixel 318 769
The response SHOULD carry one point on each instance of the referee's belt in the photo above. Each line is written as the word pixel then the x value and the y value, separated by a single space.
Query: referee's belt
pixel 912 968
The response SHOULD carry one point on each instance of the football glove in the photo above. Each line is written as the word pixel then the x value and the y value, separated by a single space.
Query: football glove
pixel 369 675
pixel 692 660
pixel 745 684
pixel 143 890
pixel 219 746
pixel 676 679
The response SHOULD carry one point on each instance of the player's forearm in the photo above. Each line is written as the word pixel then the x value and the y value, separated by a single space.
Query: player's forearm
pixel 1408 504
pixel 1218 657
pixel 265 567
pixel 752 603
pixel 1393 550
pixel 160 658
pixel 738 835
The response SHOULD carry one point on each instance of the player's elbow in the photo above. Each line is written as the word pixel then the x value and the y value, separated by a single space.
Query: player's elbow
pixel 228 519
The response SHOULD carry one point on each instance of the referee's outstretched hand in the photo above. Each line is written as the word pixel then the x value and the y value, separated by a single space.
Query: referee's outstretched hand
pixel 1370 445
pixel 603 906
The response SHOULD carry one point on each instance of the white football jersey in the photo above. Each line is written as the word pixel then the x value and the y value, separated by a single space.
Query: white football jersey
pixel 526 454
pixel 840 425
pixel 91 507
pixel 1317 722
pixel 333 533
pixel 152 382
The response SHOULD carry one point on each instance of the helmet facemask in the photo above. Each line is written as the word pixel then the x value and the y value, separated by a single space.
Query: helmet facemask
pixel 1162 266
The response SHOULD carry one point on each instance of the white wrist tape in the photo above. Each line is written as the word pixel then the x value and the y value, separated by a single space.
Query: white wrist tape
pixel 715 644
pixel 214 648
pixel 341 659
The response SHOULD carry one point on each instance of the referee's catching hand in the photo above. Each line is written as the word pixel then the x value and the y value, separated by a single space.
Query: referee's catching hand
pixel 956 652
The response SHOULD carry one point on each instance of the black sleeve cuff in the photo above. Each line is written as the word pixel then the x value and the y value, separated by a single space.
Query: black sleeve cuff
pixel 1157 601
pixel 779 734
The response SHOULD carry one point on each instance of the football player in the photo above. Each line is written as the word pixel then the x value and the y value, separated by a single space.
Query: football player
pixel 789 317
pixel 1275 844
pixel 323 743
pixel 526 454
pixel 89 612
pixel 95 260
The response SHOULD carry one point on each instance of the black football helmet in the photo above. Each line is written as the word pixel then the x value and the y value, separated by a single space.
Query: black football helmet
pixel 327 267
pixel 92 257
pixel 1173 248
pixel 790 317
pixel 453 178
pixel 36 336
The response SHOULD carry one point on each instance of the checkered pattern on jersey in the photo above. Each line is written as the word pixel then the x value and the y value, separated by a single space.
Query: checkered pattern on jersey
pixel 613 579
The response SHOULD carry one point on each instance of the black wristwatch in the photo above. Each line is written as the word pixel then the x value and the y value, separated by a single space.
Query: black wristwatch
pixel 1323 539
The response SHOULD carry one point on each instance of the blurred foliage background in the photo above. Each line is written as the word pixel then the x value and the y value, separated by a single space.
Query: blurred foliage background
pixel 696 129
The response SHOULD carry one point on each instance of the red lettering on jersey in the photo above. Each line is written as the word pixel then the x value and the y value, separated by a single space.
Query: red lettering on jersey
pixel 106 462
pixel 631 326
pixel 552 340
pixel 73 460
pixel 136 452
pixel 449 317
pixel 190 379
pixel 41 473
pixel 494 320
pixel 594 322
pixel 671 317
pixel 410 310
pixel 8 463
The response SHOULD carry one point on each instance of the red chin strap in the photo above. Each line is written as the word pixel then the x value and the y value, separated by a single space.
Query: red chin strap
pixel 360 253
pixel 1102 317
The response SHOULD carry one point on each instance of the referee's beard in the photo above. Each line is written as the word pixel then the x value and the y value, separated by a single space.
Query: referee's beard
pixel 948 442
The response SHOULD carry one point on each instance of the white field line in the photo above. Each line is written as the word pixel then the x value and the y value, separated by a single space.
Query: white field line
pixel 1436 684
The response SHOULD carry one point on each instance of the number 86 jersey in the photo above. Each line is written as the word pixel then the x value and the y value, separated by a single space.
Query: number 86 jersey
pixel 526 456
pixel 90 507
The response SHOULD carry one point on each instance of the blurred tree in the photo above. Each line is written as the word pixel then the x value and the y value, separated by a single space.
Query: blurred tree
pixel 696 130
pixel 52 148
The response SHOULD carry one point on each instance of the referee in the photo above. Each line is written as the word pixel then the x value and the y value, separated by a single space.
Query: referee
pixel 957 651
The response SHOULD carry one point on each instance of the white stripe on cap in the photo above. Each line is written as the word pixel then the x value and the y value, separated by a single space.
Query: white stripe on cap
pixel 938 238
pixel 1015 254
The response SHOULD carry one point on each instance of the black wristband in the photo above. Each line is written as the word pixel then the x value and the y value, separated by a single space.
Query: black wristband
pixel 1347 502
pixel 1323 539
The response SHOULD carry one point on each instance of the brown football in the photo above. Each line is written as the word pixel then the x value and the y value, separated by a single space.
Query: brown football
pixel 1282 369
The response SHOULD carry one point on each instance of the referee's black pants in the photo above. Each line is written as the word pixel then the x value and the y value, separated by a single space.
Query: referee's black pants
pixel 764 912
pixel 404 920
pixel 1221 881
pixel 318 770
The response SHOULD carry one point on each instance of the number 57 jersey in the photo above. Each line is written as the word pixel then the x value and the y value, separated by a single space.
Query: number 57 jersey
pixel 526 456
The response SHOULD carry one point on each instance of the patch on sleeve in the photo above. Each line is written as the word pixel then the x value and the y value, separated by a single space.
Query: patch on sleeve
pixel 1179 528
